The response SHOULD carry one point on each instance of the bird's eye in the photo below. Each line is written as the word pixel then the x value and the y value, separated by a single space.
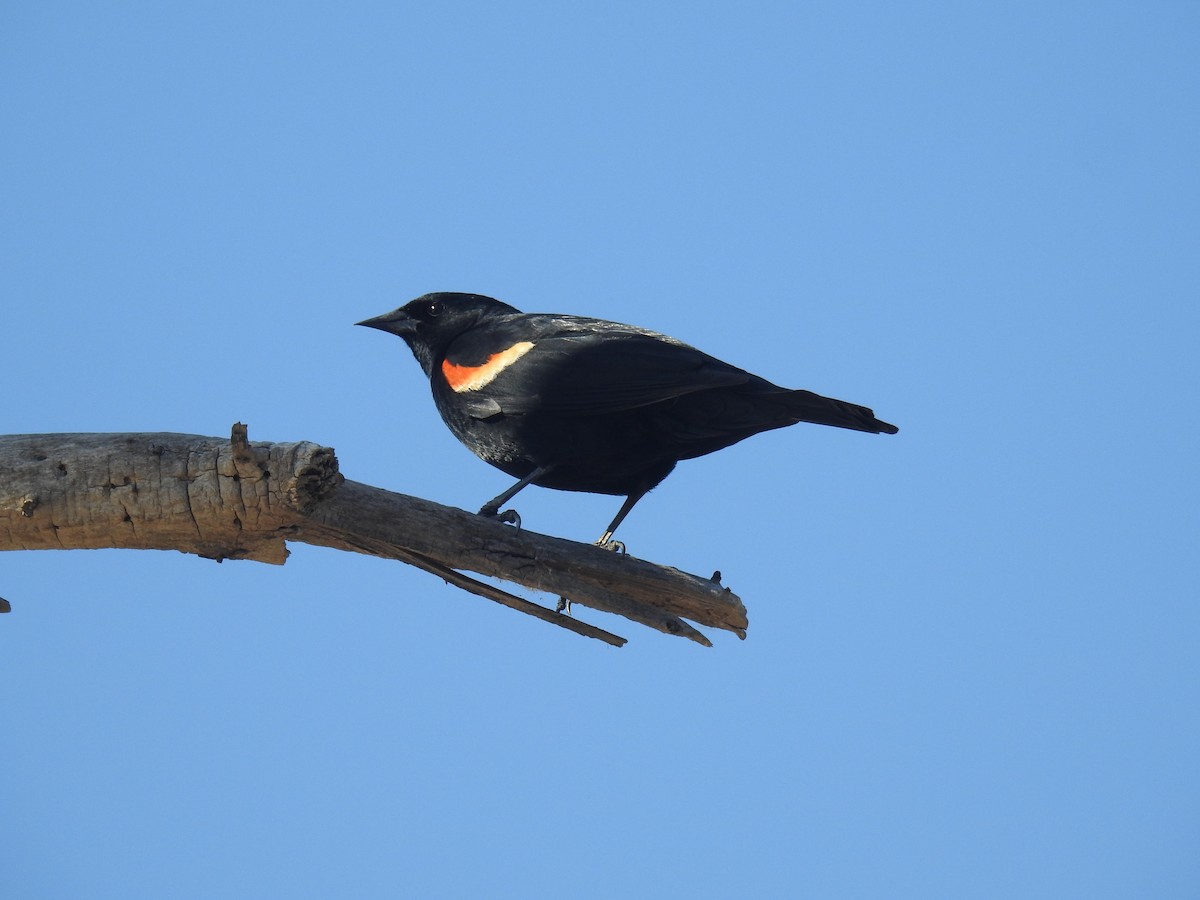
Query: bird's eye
pixel 434 309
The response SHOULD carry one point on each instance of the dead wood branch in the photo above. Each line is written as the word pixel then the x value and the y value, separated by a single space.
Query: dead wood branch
pixel 233 499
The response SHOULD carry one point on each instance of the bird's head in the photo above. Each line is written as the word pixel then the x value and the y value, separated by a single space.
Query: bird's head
pixel 431 322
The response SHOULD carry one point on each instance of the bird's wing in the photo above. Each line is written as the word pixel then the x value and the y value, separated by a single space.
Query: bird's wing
pixel 589 367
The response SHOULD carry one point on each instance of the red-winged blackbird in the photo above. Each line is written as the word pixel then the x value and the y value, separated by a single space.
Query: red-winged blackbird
pixel 583 404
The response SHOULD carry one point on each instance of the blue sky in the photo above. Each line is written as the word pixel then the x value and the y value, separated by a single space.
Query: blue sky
pixel 972 666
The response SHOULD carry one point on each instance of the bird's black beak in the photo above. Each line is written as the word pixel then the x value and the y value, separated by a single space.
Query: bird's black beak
pixel 396 322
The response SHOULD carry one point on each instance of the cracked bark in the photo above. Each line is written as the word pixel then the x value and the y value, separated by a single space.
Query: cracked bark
pixel 232 499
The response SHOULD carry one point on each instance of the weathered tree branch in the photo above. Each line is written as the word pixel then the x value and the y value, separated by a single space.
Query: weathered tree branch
pixel 232 499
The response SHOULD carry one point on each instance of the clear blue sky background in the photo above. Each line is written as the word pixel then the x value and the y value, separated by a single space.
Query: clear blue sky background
pixel 973 667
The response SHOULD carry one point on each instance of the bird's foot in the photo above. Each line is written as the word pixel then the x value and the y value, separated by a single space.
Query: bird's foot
pixel 605 543
pixel 508 516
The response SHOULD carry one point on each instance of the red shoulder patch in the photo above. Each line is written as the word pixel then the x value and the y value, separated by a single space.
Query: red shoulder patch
pixel 472 378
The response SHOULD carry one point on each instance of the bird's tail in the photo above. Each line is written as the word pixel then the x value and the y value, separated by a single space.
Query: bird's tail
pixel 809 407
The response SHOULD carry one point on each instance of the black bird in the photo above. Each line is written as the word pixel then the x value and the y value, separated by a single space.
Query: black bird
pixel 581 404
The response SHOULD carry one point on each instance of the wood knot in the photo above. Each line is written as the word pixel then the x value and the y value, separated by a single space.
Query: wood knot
pixel 248 462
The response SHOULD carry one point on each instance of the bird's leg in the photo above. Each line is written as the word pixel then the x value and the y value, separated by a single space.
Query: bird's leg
pixel 606 540
pixel 491 509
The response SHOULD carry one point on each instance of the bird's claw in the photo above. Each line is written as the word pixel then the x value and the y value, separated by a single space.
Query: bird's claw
pixel 508 516
pixel 605 543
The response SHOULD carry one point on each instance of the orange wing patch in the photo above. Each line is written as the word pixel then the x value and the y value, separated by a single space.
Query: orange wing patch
pixel 472 378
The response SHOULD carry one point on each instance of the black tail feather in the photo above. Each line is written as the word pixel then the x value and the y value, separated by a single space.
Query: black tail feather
pixel 809 407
